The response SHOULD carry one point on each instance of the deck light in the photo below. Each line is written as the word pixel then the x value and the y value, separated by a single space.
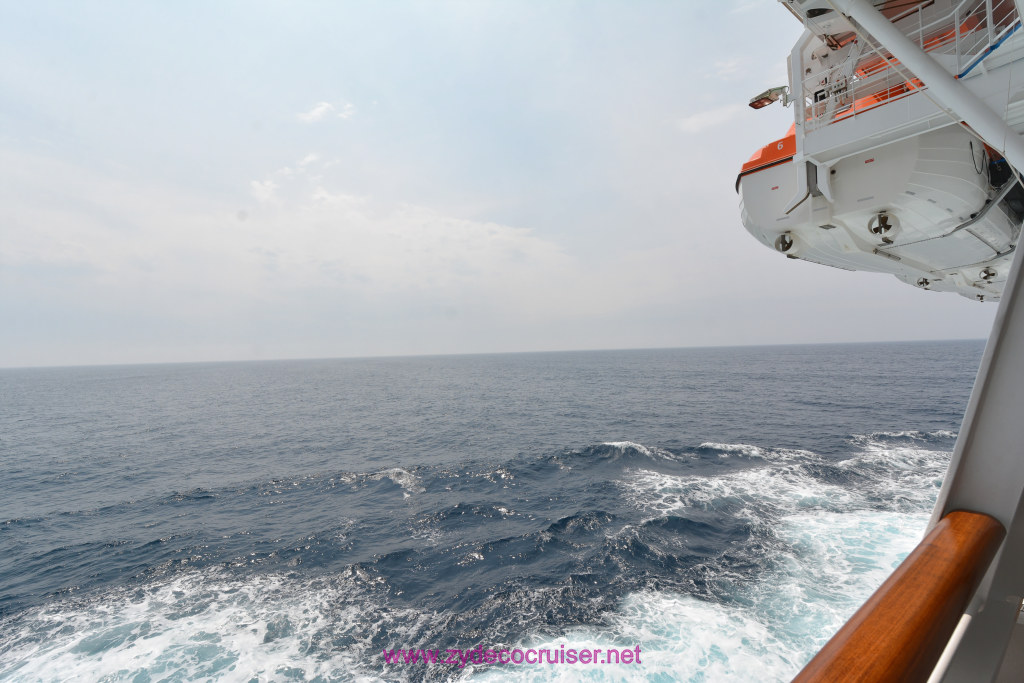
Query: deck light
pixel 771 95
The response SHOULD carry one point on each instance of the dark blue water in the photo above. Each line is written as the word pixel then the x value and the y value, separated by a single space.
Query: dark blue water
pixel 724 509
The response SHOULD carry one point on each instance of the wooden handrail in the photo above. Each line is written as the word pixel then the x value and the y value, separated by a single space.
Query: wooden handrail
pixel 900 632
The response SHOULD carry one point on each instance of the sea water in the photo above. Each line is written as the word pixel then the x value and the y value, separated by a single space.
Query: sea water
pixel 722 510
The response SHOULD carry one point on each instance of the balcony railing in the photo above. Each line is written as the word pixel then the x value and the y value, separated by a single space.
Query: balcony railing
pixel 959 36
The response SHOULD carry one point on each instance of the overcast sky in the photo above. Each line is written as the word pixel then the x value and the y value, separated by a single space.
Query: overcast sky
pixel 210 181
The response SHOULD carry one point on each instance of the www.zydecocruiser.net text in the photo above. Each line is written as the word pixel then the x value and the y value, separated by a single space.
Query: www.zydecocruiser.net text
pixel 479 655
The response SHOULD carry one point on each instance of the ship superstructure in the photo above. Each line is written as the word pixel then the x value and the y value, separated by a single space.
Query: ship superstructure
pixel 877 174
pixel 904 157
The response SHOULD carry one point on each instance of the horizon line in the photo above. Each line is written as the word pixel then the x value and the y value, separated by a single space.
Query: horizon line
pixel 480 353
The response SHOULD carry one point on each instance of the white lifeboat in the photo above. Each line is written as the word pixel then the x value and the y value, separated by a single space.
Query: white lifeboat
pixel 935 210
pixel 874 175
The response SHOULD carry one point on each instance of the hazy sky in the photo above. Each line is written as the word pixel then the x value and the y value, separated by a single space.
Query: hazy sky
pixel 210 181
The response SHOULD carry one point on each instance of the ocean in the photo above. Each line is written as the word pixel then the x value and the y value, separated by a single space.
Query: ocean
pixel 718 512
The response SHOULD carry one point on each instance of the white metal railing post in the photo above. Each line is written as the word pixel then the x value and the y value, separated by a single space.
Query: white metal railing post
pixel 956 37
pixel 988 21
pixel 798 95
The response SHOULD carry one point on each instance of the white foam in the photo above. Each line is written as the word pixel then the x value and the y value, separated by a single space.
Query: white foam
pixel 908 478
pixel 740 448
pixel 837 544
pixel 833 562
pixel 409 482
pixel 651 452
pixel 781 488
pixel 208 624
pixel 911 434
pixel 765 630
pixel 750 451
pixel 903 478
pixel 680 638
pixel 501 475
pixel 471 558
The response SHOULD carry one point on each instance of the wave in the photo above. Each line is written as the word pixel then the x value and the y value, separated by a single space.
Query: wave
pixel 724 450
pixel 206 624
pixel 618 451
pixel 678 636
pixel 878 475
pixel 937 436
pixel 409 482
pixel 649 451
pixel 733 571
pixel 763 630
pixel 759 495
pixel 19 521
pixel 211 623
pixel 833 531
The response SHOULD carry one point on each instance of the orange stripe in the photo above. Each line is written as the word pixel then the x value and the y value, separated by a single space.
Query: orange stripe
pixel 772 153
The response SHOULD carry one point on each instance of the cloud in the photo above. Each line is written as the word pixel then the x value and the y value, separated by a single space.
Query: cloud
pixel 728 68
pixel 702 120
pixel 263 191
pixel 297 237
pixel 747 5
pixel 348 110
pixel 322 110
pixel 317 113
pixel 301 249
